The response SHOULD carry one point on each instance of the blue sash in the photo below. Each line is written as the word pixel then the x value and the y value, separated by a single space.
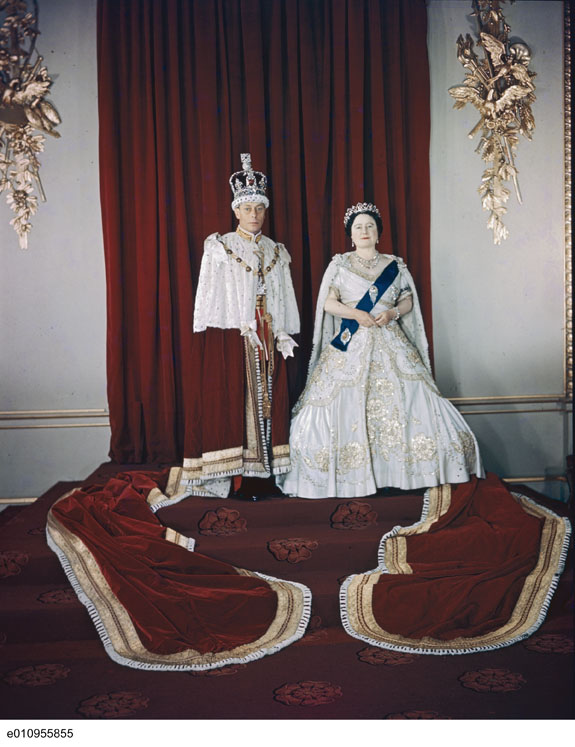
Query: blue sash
pixel 349 326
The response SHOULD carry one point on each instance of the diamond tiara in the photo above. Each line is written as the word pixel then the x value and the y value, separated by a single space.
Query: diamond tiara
pixel 361 207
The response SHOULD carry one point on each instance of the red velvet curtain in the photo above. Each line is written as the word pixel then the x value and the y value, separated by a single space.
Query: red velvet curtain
pixel 331 97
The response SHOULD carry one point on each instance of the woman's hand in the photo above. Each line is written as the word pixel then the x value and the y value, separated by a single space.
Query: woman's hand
pixel 364 318
pixel 387 316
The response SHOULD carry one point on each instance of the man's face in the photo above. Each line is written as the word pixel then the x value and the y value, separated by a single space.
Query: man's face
pixel 251 216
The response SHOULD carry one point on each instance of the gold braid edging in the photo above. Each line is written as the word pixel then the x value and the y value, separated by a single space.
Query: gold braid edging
pixel 525 618
pixel 120 636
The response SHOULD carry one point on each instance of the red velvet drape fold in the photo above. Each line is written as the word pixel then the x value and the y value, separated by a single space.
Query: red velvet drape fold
pixel 176 600
pixel 331 97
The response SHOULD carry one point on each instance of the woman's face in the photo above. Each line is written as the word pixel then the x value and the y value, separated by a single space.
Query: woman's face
pixel 364 232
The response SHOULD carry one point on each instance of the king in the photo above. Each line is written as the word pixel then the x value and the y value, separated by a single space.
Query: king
pixel 246 311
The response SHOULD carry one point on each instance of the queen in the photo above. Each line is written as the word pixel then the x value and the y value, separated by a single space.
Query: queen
pixel 371 415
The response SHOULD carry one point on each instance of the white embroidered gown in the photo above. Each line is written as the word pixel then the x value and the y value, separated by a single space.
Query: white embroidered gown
pixel 372 416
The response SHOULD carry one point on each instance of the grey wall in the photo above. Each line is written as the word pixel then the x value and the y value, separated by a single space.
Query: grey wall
pixel 498 311
pixel 52 295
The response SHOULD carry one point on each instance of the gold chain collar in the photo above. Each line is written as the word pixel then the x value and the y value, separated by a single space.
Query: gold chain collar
pixel 262 272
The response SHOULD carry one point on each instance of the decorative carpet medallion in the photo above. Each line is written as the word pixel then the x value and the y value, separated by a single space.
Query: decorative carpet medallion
pixel 377 656
pixel 222 522
pixel 12 562
pixel 59 596
pixel 292 549
pixel 353 515
pixel 551 643
pixel 307 693
pixel 493 680
pixel 113 705
pixel 36 676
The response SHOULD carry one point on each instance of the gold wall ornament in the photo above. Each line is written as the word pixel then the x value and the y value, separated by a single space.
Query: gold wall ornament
pixel 501 88
pixel 24 85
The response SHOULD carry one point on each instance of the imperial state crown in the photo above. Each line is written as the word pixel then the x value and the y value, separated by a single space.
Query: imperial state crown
pixel 248 185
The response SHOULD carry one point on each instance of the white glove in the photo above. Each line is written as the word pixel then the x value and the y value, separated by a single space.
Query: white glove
pixel 285 344
pixel 248 329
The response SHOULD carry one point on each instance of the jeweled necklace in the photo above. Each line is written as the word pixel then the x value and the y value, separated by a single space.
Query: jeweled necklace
pixel 368 263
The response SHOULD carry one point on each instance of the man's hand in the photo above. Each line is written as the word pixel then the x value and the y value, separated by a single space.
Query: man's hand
pixel 249 330
pixel 285 344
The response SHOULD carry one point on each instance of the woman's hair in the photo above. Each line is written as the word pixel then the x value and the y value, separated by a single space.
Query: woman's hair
pixel 376 217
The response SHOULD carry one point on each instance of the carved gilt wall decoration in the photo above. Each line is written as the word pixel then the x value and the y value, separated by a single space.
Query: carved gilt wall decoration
pixel 24 110
pixel 500 86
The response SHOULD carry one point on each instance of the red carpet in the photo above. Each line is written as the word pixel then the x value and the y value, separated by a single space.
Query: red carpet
pixel 54 664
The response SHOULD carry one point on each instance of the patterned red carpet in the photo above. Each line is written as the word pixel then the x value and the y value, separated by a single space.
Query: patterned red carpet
pixel 54 664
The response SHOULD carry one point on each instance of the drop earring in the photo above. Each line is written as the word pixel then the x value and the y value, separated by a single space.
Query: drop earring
pixel 352 245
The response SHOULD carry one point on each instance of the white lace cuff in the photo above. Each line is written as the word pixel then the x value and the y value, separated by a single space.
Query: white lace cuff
pixel 285 344
pixel 249 330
